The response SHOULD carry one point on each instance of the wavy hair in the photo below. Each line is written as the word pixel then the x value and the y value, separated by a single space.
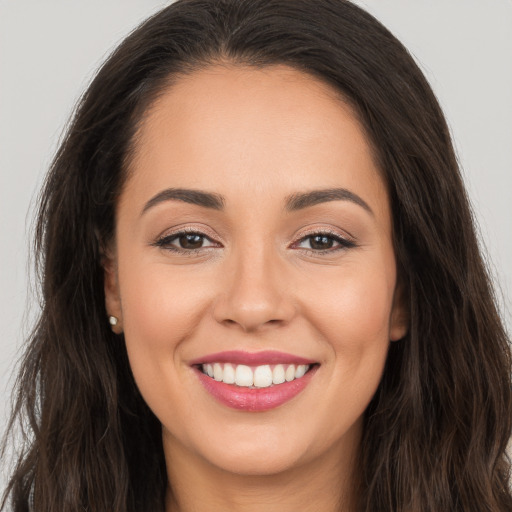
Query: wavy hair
pixel 436 431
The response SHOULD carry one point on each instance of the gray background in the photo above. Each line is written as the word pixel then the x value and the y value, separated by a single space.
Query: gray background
pixel 50 49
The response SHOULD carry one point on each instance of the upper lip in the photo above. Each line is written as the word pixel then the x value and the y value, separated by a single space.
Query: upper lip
pixel 251 358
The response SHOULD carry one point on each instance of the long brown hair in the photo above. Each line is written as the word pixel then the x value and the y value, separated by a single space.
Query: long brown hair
pixel 435 432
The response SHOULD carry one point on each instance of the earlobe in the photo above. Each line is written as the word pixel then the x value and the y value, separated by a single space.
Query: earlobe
pixel 112 296
pixel 399 320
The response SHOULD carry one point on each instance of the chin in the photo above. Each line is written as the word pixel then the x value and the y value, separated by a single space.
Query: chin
pixel 245 450
pixel 255 461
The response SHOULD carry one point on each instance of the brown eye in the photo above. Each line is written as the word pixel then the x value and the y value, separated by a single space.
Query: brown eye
pixel 325 243
pixel 321 242
pixel 185 242
pixel 190 241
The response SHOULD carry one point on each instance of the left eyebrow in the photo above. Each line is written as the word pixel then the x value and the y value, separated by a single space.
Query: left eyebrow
pixel 306 199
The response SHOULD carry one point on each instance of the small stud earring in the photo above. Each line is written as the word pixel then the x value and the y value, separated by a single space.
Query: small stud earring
pixel 112 320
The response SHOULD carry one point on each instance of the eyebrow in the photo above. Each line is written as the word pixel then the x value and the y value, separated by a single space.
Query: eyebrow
pixel 294 202
pixel 197 197
pixel 306 199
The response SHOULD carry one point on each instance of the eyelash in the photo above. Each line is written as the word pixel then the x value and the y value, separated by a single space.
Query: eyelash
pixel 165 242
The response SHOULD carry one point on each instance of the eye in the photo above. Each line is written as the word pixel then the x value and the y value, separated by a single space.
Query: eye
pixel 324 242
pixel 185 242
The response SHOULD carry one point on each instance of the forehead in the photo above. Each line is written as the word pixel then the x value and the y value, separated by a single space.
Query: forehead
pixel 253 131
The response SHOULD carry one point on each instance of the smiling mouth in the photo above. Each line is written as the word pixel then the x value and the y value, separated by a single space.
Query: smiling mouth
pixel 254 377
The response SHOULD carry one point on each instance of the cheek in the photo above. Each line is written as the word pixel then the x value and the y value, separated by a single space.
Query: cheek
pixel 353 310
pixel 161 304
pixel 353 318
pixel 161 307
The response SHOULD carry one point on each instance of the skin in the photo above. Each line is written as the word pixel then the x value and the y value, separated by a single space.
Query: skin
pixel 256 136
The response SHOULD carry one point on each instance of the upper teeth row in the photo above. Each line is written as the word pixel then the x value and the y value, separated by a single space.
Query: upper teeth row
pixel 260 377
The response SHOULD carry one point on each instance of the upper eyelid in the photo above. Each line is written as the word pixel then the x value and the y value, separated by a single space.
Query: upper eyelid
pixel 324 231
pixel 188 230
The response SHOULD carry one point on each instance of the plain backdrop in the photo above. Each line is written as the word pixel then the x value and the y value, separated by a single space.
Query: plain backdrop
pixel 50 49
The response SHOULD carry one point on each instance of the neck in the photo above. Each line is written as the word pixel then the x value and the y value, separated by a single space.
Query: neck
pixel 326 483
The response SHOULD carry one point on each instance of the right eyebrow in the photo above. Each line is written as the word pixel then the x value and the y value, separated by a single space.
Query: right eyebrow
pixel 187 195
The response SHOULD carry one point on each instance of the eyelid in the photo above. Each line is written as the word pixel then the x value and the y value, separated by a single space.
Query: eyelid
pixel 347 238
pixel 200 230
pixel 164 240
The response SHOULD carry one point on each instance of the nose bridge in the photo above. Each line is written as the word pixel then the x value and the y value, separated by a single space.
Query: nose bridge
pixel 255 293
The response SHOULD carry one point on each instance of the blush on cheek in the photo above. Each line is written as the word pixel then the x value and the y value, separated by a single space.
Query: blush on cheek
pixel 357 315
pixel 163 303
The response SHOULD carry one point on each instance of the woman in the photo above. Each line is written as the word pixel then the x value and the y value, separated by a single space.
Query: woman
pixel 262 287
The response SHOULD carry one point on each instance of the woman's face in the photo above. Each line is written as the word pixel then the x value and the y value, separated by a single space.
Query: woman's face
pixel 254 235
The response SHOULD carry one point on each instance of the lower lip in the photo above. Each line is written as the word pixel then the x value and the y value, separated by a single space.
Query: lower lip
pixel 258 399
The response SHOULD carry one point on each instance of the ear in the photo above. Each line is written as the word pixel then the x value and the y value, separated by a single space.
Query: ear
pixel 111 287
pixel 399 319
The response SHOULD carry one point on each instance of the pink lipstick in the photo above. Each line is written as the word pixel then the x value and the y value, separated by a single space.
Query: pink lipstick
pixel 254 381
pixel 252 358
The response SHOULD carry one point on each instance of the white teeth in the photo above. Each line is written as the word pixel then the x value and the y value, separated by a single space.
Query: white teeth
pixel 243 376
pixel 300 371
pixel 262 376
pixel 217 372
pixel 290 373
pixel 229 374
pixel 278 375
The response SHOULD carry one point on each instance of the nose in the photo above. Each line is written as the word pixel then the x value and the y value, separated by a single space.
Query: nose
pixel 255 294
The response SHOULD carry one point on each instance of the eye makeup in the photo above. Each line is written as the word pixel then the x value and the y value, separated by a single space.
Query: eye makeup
pixel 191 241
